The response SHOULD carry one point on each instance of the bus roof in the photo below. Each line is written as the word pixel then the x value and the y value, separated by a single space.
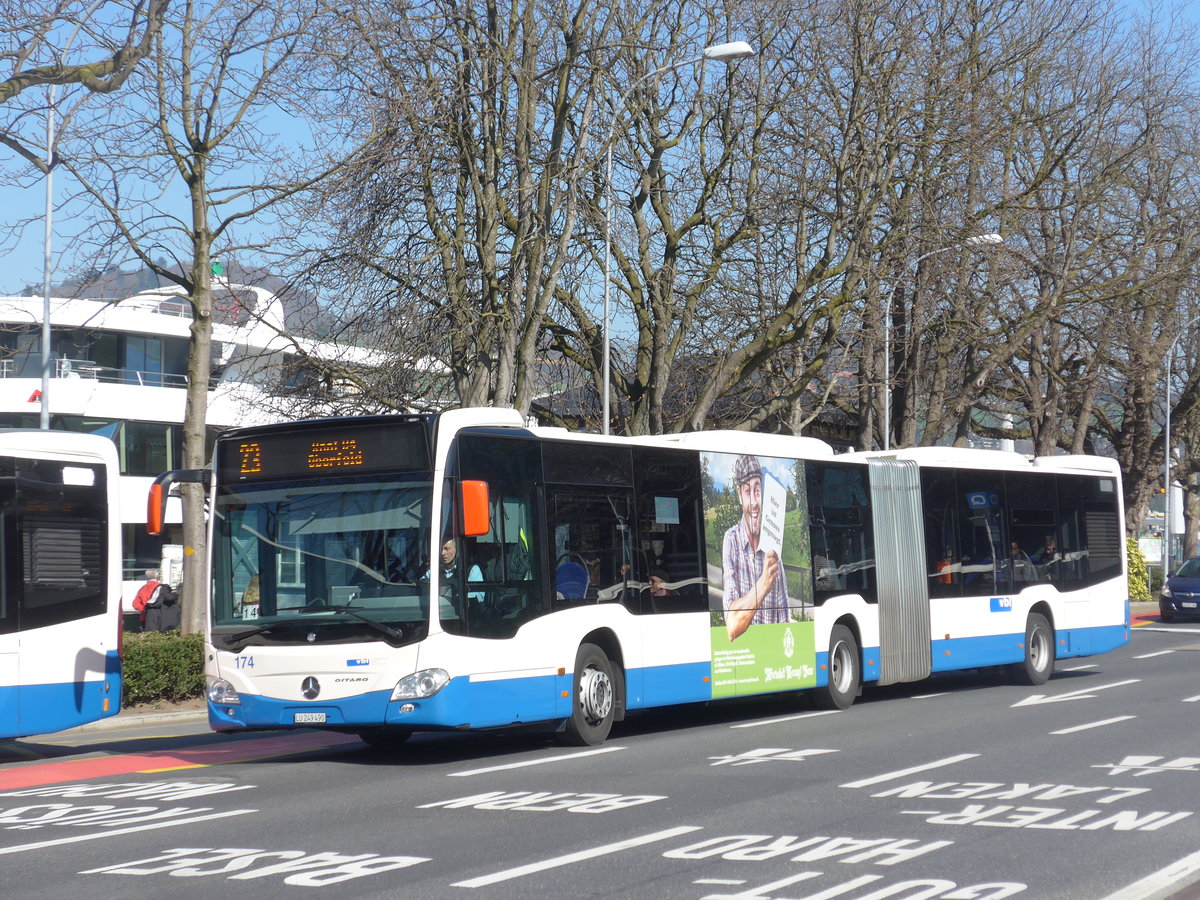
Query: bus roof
pixel 975 458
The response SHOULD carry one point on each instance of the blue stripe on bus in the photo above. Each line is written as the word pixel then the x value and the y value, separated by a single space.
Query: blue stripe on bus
pixel 461 703
pixel 1003 649
pixel 46 708
pixel 464 703
pixel 667 685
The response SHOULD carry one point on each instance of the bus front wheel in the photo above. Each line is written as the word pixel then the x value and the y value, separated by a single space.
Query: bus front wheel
pixel 1039 651
pixel 594 699
pixel 845 671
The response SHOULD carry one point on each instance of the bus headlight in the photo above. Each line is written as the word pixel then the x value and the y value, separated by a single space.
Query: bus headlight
pixel 421 684
pixel 221 692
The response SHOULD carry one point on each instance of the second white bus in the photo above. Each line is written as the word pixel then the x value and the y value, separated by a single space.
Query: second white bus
pixel 60 581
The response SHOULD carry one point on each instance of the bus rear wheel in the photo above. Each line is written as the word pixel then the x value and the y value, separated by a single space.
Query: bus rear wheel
pixel 593 700
pixel 845 671
pixel 1039 651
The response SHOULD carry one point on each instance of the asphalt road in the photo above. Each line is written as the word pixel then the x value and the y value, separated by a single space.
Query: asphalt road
pixel 961 788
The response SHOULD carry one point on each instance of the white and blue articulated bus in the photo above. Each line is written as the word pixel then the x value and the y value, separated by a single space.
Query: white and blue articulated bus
pixel 391 574
pixel 60 581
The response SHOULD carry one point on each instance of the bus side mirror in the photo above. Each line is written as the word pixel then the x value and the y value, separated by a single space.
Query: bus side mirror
pixel 474 505
pixel 156 508
pixel 156 502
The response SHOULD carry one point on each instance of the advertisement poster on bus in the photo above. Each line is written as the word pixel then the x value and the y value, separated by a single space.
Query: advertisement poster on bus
pixel 761 598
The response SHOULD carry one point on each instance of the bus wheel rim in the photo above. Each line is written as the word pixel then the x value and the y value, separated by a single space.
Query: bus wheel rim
pixel 595 694
pixel 839 665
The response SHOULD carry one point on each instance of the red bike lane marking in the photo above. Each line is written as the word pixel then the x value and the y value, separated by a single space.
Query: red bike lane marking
pixel 38 774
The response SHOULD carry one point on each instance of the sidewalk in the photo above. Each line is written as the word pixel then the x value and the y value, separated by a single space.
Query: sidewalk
pixel 136 716
pixel 1144 612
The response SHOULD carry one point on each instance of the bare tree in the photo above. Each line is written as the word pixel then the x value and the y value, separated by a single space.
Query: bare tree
pixel 456 231
pixel 195 119
pixel 34 42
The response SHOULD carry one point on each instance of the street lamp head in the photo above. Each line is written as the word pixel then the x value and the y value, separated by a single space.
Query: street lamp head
pixel 729 52
pixel 984 240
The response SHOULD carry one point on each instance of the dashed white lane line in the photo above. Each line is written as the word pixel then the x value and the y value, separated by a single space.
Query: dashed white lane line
pixel 580 856
pixel 807 715
pixel 534 762
pixel 1099 724
pixel 888 776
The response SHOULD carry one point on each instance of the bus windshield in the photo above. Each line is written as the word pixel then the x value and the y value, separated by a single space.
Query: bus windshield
pixel 321 561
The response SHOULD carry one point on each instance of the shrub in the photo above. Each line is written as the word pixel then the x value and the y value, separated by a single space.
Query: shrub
pixel 1139 577
pixel 162 666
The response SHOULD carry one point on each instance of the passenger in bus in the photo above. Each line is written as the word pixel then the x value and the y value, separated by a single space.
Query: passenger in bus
pixel 1020 566
pixel 1047 557
pixel 755 592
pixel 658 583
pixel 1049 549
pixel 945 568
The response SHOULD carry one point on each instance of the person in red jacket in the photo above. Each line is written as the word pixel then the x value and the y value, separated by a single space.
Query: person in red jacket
pixel 145 595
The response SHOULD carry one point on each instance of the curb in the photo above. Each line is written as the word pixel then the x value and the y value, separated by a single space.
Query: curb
pixel 132 720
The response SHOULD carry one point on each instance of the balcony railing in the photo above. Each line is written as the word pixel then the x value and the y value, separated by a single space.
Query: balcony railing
pixel 85 368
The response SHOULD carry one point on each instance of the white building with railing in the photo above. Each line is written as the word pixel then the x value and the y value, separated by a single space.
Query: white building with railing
pixel 119 368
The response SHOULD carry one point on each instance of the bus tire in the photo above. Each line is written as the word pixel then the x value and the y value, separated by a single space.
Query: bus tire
pixel 845 671
pixel 1039 651
pixel 593 699
pixel 385 738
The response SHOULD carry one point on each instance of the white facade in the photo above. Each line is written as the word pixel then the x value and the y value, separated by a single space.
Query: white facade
pixel 118 368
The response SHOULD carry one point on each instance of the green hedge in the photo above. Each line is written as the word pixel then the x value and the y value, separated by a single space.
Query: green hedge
pixel 1139 580
pixel 162 666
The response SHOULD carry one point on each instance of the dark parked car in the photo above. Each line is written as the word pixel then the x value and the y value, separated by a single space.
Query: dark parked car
pixel 1180 596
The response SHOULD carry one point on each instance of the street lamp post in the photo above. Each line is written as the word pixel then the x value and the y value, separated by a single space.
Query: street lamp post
pixel 726 53
pixel 1166 544
pixel 977 240
pixel 51 113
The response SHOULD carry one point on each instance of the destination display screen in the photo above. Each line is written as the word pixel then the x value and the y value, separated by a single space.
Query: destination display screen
pixel 325 451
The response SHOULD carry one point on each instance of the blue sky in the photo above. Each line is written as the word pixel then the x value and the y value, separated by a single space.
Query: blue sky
pixel 21 258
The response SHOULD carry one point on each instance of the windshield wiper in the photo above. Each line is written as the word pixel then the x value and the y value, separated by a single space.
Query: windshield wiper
pixel 242 635
pixel 394 635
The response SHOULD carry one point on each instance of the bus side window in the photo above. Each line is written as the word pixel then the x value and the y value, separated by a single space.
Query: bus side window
pixel 591 552
pixel 981 541
pixel 668 563
pixel 943 566
pixel 841 530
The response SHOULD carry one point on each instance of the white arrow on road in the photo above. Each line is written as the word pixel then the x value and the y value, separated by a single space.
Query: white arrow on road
pixel 1083 694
